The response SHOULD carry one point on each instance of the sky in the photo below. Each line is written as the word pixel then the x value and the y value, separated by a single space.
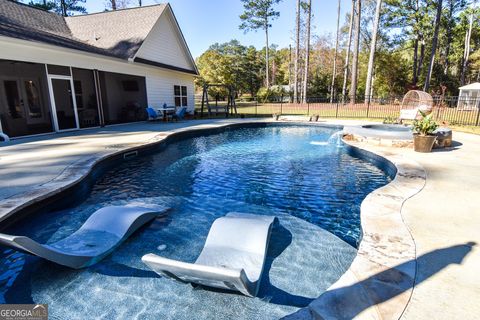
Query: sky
pixel 205 22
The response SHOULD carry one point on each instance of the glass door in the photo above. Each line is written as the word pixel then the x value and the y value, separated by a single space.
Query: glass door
pixel 63 102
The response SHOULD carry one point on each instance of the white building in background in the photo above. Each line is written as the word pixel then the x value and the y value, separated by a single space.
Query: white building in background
pixel 469 97
pixel 66 73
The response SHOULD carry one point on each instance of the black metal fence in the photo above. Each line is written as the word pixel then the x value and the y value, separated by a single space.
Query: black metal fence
pixel 451 110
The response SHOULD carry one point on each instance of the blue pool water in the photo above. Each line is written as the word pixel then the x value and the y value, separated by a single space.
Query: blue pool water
pixel 314 187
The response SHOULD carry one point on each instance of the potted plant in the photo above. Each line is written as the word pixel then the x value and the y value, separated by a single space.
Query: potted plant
pixel 423 133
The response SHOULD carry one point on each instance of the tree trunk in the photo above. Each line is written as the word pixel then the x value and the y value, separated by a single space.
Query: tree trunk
pixel 297 55
pixel 114 4
pixel 307 52
pixel 371 59
pixel 334 73
pixel 64 8
pixel 356 49
pixel 290 69
pixel 415 62
pixel 347 56
pixel 466 52
pixel 449 37
pixel 267 56
pixel 274 71
pixel 139 3
pixel 426 87
pixel 422 57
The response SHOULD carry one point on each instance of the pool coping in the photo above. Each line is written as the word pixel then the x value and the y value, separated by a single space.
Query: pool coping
pixel 384 267
pixel 381 278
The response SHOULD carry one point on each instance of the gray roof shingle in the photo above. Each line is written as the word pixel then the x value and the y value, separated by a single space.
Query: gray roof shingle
pixel 115 33
pixel 121 32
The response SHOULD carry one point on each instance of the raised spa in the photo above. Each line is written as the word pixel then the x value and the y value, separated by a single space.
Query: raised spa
pixel 382 131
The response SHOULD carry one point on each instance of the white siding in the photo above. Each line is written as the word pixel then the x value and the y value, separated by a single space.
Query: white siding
pixel 160 89
pixel 164 44
pixel 159 81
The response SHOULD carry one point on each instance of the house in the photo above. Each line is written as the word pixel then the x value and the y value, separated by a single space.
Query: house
pixel 469 97
pixel 66 73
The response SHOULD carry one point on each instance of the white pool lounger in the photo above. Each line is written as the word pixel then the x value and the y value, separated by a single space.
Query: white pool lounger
pixel 232 258
pixel 96 238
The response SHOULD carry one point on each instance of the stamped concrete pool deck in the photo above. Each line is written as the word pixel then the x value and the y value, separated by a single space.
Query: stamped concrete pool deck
pixel 443 218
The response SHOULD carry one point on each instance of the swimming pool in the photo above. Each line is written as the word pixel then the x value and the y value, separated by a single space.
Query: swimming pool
pixel 314 187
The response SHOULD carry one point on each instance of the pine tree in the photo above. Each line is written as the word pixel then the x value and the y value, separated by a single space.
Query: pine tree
pixel 307 51
pixel 258 15
pixel 347 54
pixel 373 47
pixel 334 72
pixel 356 50
pixel 466 52
pixel 63 7
pixel 297 54
pixel 426 86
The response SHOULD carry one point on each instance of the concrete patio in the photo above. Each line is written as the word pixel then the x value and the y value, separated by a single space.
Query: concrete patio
pixel 442 218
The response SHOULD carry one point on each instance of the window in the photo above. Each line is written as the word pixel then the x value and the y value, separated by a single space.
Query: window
pixel 180 94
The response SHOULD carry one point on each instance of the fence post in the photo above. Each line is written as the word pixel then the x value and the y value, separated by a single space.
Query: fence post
pixel 478 117
pixel 336 111
pixel 308 107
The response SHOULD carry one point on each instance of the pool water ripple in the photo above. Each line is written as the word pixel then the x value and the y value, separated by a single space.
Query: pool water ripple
pixel 315 190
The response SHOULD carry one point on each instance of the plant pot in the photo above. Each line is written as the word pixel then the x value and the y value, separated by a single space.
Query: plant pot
pixel 423 143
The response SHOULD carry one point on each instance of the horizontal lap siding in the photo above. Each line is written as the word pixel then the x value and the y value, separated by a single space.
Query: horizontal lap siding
pixel 160 88
pixel 164 44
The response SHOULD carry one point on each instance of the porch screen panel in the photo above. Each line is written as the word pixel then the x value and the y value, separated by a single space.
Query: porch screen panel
pixel 24 99
pixel 86 98
pixel 124 97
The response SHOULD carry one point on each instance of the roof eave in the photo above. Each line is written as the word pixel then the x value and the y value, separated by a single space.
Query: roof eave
pixel 164 66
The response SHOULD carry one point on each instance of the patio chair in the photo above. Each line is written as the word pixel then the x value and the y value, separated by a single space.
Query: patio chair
pixel 232 257
pixel 179 114
pixel 105 230
pixel 413 102
pixel 152 114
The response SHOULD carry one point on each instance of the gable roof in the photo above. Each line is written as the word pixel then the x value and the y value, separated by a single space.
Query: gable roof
pixel 117 34
pixel 122 31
